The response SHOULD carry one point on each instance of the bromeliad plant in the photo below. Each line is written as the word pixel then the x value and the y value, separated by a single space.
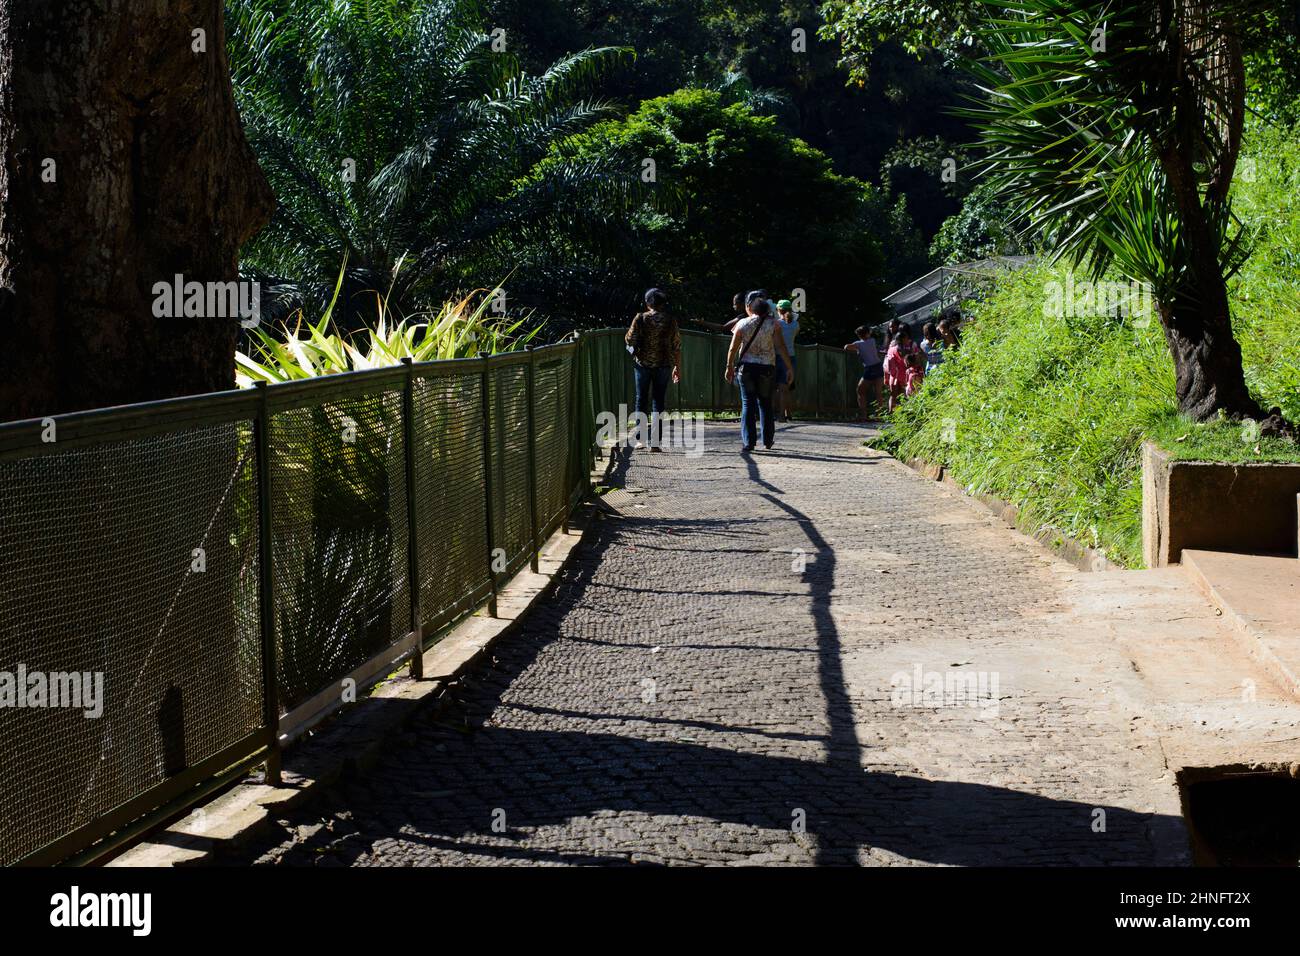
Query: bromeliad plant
pixel 459 329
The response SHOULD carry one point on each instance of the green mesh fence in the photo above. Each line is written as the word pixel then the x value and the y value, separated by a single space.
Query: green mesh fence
pixel 698 388
pixel 552 440
pixel 826 378
pixel 135 544
pixel 130 649
pixel 339 530
pixel 509 460
pixel 451 520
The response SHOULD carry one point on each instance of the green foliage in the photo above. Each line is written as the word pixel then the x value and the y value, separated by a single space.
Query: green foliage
pixel 862 26
pixel 459 329
pixel 980 230
pixel 1219 440
pixel 1079 127
pixel 706 43
pixel 739 205
pixel 1050 412
pixel 391 131
pixel 1271 38
pixel 1047 412
pixel 1266 292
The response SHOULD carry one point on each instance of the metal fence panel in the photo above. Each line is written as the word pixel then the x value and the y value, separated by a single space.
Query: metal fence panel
pixel 450 487
pixel 696 393
pixel 508 406
pixel 339 529
pixel 132 551
pixel 552 391
pixel 804 397
pixel 135 561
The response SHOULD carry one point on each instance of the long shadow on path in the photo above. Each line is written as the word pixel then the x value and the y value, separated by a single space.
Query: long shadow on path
pixel 585 786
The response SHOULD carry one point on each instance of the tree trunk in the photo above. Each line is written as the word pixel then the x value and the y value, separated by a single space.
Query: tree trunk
pixel 122 164
pixel 1207 361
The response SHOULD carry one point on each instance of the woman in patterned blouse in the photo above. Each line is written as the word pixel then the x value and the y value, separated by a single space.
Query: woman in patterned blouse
pixel 655 342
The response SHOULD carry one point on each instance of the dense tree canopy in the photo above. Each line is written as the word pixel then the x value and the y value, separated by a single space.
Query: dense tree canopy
pixel 396 134
pixel 699 43
pixel 740 204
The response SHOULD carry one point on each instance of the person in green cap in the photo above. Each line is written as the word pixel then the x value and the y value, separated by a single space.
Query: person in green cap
pixel 789 326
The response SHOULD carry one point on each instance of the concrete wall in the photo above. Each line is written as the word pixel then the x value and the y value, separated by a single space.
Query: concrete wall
pixel 1248 508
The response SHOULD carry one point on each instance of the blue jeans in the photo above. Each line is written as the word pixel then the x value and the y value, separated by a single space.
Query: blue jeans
pixel 648 381
pixel 756 383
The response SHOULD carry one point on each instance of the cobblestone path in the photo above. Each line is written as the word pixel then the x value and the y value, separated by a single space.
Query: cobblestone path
pixel 810 655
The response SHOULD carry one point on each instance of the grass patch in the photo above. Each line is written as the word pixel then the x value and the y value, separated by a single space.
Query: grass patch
pixel 1221 441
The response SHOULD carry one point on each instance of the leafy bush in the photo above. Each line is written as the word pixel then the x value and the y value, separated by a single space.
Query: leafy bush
pixel 460 329
pixel 399 132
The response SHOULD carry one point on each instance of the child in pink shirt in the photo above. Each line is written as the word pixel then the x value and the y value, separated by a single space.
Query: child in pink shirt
pixel 915 373
pixel 896 367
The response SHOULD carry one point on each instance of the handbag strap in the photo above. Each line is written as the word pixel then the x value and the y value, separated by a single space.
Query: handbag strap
pixel 753 335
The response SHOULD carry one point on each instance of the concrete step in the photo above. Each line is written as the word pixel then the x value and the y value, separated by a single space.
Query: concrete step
pixel 1260 596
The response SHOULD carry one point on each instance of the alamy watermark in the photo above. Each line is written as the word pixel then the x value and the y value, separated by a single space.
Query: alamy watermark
pixel 179 299
pixel 78 690
pixel 948 688
pixel 1079 298
pixel 683 430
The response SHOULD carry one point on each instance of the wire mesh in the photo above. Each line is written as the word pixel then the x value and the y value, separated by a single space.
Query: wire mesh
pixel 695 393
pixel 135 561
pixel 137 558
pixel 512 536
pixel 339 530
pixel 551 390
pixel 451 525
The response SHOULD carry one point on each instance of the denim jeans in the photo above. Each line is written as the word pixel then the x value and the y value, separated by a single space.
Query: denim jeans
pixel 756 383
pixel 651 383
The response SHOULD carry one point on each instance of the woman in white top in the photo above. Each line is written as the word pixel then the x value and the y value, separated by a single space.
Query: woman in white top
pixel 755 344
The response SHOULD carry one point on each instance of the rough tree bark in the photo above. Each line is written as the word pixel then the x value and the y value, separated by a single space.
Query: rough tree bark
pixel 152 177
pixel 1209 77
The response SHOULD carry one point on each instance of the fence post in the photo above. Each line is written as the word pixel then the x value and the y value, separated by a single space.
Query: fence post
pixel 817 389
pixel 713 374
pixel 412 525
pixel 487 479
pixel 530 393
pixel 265 588
pixel 576 454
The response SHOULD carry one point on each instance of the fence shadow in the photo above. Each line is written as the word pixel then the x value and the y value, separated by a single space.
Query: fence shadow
pixel 438 794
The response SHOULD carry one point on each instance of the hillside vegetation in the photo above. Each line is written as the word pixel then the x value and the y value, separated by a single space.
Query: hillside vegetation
pixel 1049 411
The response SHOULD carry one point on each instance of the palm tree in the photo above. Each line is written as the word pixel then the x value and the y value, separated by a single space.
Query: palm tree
pixel 402 131
pixel 1113 128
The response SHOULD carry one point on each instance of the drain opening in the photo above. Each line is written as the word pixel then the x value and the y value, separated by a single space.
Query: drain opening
pixel 1249 818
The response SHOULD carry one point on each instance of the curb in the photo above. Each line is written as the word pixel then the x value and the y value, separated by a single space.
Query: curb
pixel 353 741
pixel 1062 545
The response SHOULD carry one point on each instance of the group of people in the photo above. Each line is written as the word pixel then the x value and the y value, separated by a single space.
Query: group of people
pixel 760 360
pixel 903 368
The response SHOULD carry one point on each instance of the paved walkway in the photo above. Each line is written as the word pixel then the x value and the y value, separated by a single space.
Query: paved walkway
pixel 742 667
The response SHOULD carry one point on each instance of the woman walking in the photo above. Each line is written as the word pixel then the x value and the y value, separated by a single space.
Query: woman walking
pixel 655 342
pixel 751 363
